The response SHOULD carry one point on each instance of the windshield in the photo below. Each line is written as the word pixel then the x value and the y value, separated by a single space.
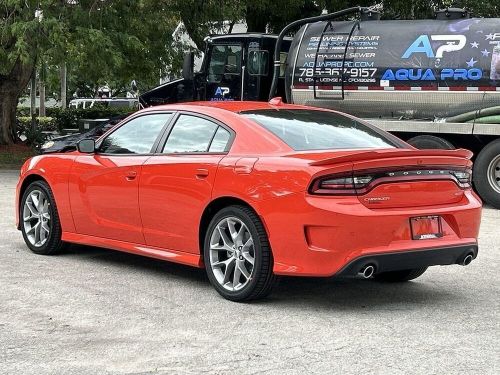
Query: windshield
pixel 305 130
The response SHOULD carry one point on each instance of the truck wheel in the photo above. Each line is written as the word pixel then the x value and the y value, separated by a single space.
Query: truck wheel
pixel 486 174
pixel 424 142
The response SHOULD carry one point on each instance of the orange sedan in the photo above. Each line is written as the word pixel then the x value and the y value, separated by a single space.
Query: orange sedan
pixel 254 190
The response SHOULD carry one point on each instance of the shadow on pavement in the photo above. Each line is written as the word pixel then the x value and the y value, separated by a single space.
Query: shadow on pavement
pixel 294 292
pixel 105 257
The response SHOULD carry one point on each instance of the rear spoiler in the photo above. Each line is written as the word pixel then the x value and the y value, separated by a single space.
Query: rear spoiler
pixel 390 153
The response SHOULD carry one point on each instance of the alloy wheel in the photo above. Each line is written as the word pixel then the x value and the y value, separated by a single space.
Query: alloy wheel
pixel 36 218
pixel 232 253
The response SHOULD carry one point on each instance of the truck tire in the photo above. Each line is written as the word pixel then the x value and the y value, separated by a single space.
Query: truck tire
pixel 430 142
pixel 486 173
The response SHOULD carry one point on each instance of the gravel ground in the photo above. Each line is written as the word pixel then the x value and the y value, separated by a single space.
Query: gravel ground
pixel 96 311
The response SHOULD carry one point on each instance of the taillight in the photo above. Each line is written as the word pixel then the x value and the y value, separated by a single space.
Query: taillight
pixel 340 184
pixel 464 177
pixel 361 182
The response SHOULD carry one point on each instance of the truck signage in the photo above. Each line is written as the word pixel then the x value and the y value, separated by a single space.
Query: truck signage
pixel 429 54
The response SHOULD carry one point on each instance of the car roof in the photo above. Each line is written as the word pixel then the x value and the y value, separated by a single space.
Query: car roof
pixel 229 106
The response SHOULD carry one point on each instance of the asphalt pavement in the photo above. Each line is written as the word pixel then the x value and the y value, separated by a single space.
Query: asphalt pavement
pixel 97 311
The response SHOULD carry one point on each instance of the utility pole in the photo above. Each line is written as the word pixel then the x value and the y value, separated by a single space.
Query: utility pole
pixel 41 85
pixel 64 73
pixel 39 18
pixel 33 99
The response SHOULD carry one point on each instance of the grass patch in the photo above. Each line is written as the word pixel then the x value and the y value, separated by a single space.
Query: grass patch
pixel 13 156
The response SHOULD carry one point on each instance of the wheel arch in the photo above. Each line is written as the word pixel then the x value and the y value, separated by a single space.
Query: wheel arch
pixel 215 206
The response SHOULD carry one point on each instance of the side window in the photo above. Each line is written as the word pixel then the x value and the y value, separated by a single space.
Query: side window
pixel 258 62
pixel 136 136
pixel 224 60
pixel 220 141
pixel 190 134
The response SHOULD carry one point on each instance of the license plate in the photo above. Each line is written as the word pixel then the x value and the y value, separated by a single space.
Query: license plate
pixel 426 227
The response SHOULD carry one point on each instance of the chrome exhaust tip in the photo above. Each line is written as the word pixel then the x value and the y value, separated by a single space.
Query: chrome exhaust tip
pixel 467 259
pixel 367 271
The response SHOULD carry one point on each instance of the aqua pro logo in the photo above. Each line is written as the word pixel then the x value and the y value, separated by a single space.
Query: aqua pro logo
pixel 221 91
pixel 450 43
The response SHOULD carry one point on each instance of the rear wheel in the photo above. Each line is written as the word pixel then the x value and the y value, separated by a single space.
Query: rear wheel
pixel 400 276
pixel 487 173
pixel 40 224
pixel 237 255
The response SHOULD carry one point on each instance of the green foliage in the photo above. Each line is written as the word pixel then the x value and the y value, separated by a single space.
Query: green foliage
pixel 204 17
pixel 61 119
pixel 35 136
pixel 43 123
pixel 101 42
pixel 25 111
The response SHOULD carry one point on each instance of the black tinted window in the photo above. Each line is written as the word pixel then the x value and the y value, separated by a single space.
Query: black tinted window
pixel 306 130
pixel 190 134
pixel 258 62
pixel 136 136
pixel 225 59
pixel 220 141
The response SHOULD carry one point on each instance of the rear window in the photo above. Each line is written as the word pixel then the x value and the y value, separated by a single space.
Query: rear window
pixel 305 130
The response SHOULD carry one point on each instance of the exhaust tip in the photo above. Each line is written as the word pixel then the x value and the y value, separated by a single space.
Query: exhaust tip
pixel 367 271
pixel 467 259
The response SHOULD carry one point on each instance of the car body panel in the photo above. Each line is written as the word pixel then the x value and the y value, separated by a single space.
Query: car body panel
pixel 176 188
pixel 133 248
pixel 55 169
pixel 104 195
pixel 316 236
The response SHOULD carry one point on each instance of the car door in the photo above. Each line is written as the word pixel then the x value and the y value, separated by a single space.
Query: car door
pixel 104 186
pixel 225 72
pixel 176 184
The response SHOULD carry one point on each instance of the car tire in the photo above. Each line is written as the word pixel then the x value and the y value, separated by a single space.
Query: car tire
pixel 399 276
pixel 234 239
pixel 430 142
pixel 486 173
pixel 46 238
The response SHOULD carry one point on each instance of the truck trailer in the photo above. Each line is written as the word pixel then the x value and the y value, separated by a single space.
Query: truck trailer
pixel 434 83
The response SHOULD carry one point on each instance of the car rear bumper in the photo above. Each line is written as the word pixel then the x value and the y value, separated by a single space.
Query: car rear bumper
pixel 406 260
pixel 320 236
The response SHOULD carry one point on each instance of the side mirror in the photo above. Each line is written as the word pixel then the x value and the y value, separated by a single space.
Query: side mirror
pixel 188 66
pixel 86 146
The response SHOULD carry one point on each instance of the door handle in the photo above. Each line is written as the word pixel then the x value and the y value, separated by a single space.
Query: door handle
pixel 201 172
pixel 131 175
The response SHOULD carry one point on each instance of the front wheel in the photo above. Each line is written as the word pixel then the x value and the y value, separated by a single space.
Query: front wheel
pixel 400 276
pixel 237 255
pixel 40 224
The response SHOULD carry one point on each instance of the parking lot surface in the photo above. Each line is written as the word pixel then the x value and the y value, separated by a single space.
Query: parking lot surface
pixel 96 311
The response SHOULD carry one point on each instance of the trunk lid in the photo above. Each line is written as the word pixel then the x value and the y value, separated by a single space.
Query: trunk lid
pixel 398 178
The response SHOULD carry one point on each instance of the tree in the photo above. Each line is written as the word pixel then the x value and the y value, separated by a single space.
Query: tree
pixel 100 40
pixel 203 17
